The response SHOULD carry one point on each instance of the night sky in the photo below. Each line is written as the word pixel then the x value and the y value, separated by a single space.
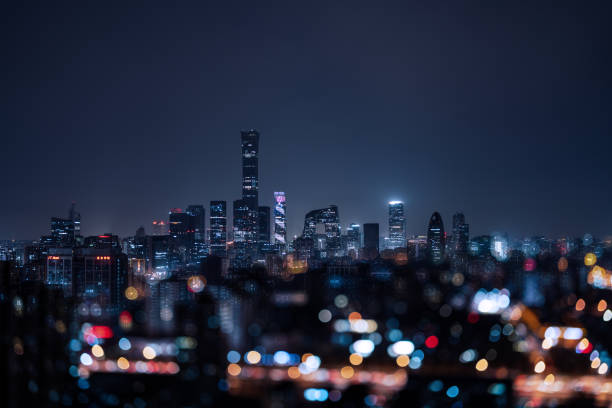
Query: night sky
pixel 499 109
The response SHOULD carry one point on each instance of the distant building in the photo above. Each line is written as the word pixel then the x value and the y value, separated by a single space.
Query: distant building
pixel 461 234
pixel 250 188
pixel 397 225
pixel 280 219
pixel 218 228
pixel 353 238
pixel 197 222
pixel 160 228
pixel 324 224
pixel 436 239
pixel 62 232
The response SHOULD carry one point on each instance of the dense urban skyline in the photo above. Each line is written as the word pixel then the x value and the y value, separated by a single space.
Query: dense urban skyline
pixel 130 114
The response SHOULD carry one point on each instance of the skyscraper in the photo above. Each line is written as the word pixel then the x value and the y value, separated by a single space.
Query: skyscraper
pixel 218 228
pixel 250 185
pixel 197 221
pixel 353 235
pixel 280 220
pixel 324 222
pixel 436 239
pixel 397 225
pixel 62 232
pixel 461 234
pixel 160 228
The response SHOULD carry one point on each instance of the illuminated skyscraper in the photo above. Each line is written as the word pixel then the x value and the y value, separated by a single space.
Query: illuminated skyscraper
pixel 353 238
pixel 62 232
pixel 218 228
pixel 436 239
pixel 250 185
pixel 397 225
pixel 324 222
pixel 280 219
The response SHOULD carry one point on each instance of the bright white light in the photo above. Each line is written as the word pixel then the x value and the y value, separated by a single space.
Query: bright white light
pixel 572 333
pixel 395 202
pixel 281 357
pixel 403 347
pixel 607 315
pixel 86 359
pixel 363 347
pixel 313 362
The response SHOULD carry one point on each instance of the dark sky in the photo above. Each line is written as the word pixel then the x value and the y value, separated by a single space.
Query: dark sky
pixel 498 109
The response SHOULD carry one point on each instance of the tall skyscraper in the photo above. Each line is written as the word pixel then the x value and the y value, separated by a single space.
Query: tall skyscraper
pixel 397 225
pixel 280 219
pixel 263 227
pixel 371 237
pixel 218 228
pixel 250 185
pixel 436 239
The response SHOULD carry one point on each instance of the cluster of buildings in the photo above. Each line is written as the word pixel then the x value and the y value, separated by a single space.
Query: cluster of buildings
pixel 226 301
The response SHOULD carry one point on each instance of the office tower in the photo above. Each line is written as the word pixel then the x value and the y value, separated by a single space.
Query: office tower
pixel 197 234
pixel 324 225
pixel 263 229
pixel 243 252
pixel 218 228
pixel 371 237
pixel 353 238
pixel 197 222
pixel 280 219
pixel 157 258
pixel 160 228
pixel 397 225
pixel 461 234
pixel 250 186
pixel 75 217
pixel 436 239
pixel 59 269
pixel 100 277
pixel 178 223
pixel 62 232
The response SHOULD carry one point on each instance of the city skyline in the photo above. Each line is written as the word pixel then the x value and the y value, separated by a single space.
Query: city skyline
pixel 517 140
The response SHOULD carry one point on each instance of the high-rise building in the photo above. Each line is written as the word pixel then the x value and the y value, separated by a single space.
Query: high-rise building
pixel 353 238
pixel 280 219
pixel 62 232
pixel 178 223
pixel 436 240
pixel 218 228
pixel 324 224
pixel 461 234
pixel 243 253
pixel 197 222
pixel 160 228
pixel 397 225
pixel 263 228
pixel 250 186
pixel 371 237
